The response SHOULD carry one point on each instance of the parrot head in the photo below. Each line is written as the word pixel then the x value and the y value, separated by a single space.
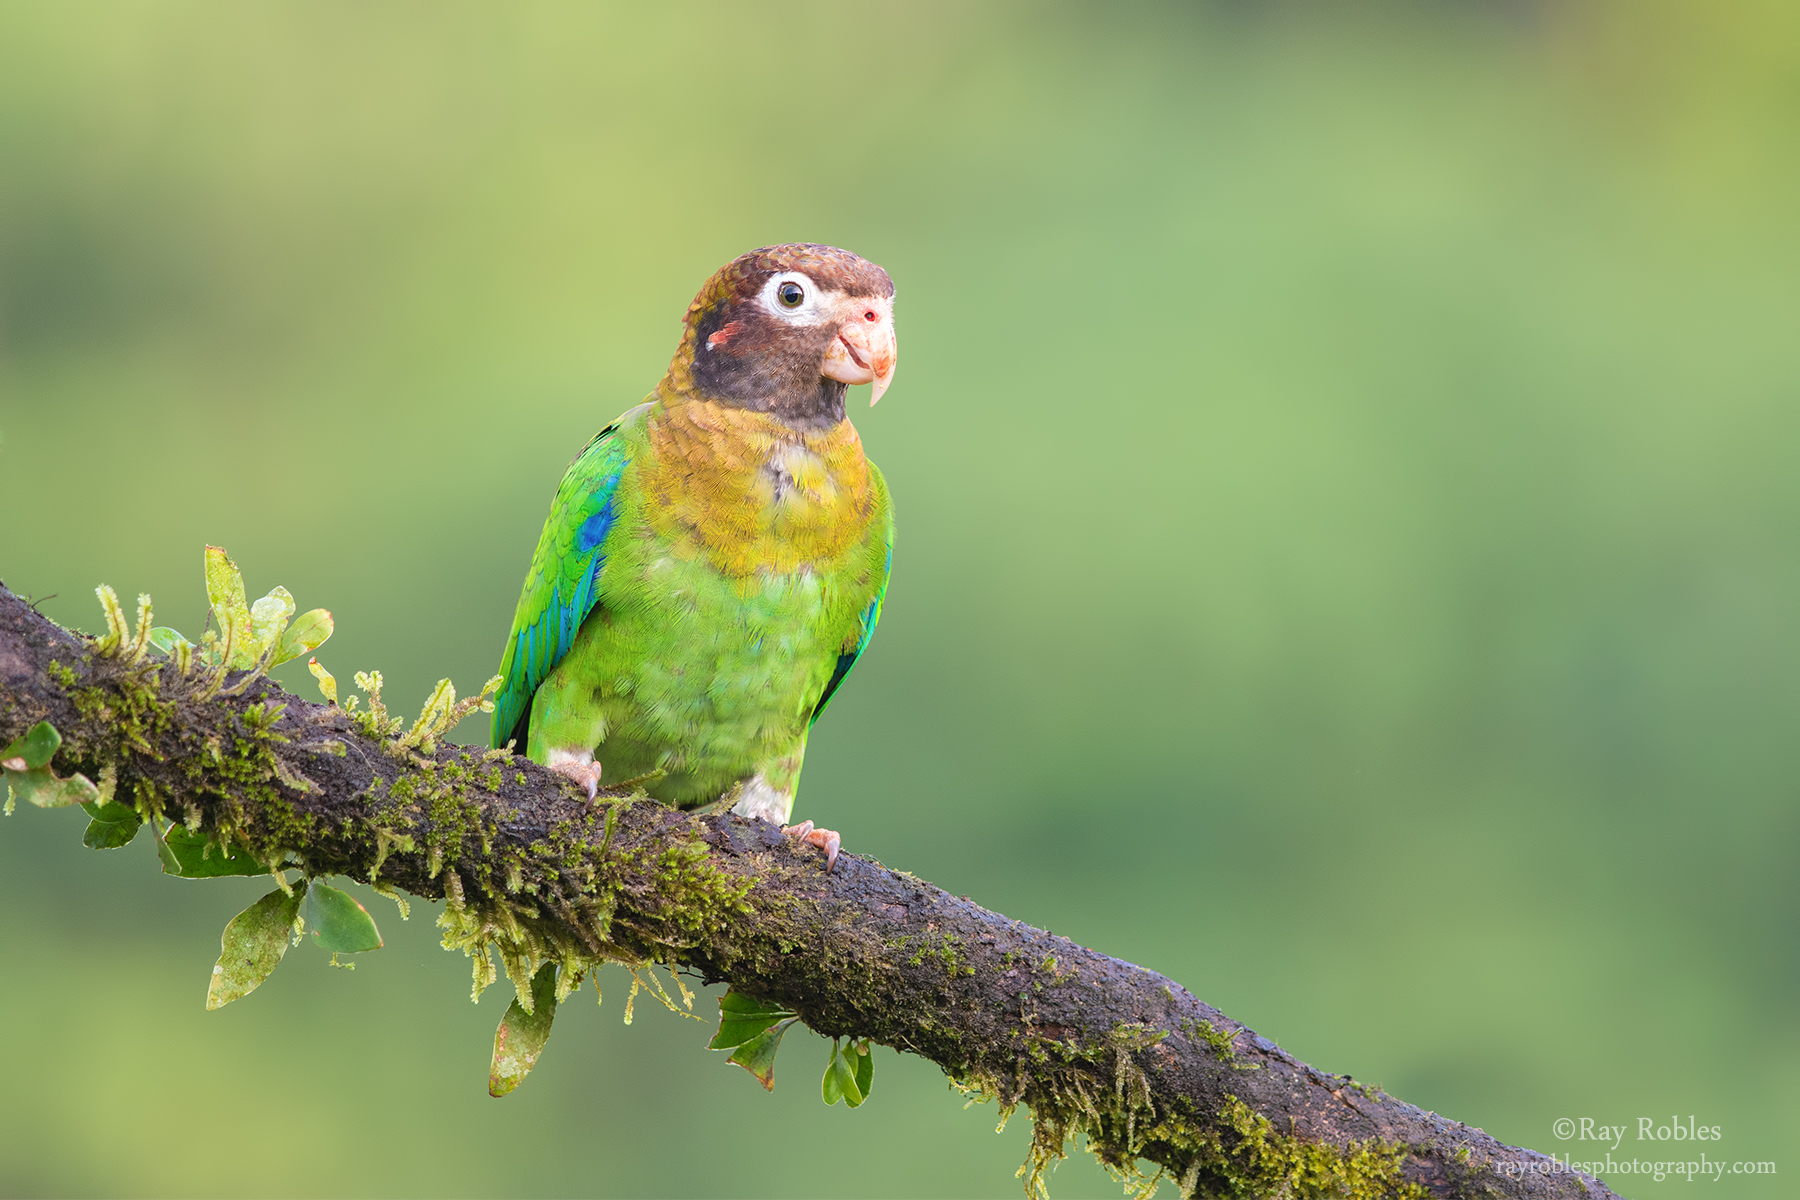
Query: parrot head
pixel 785 329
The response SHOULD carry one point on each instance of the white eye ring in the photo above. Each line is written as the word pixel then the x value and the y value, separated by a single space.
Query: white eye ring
pixel 804 313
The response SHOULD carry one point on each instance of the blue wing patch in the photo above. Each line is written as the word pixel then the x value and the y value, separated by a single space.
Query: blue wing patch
pixel 594 529
pixel 548 618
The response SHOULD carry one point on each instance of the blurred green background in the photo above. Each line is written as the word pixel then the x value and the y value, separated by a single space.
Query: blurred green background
pixel 1346 475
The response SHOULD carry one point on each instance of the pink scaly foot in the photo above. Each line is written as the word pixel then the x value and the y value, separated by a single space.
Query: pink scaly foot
pixel 581 768
pixel 825 839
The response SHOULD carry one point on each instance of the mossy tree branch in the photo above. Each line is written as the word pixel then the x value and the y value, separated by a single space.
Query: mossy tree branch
pixel 1089 1043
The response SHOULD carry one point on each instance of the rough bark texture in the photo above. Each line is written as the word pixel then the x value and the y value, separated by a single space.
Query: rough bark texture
pixel 1089 1043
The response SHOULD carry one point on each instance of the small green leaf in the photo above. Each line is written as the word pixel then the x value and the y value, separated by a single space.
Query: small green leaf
pixel 170 864
pixel 865 1070
pixel 44 789
pixel 225 591
pixel 308 632
pixel 327 681
pixel 840 1079
pixel 164 640
pixel 521 1036
pixel 191 858
pixel 109 835
pixel 338 922
pixel 757 1055
pixel 254 942
pixel 114 825
pixel 847 1073
pixel 743 1017
pixel 269 616
pixel 25 772
pixel 36 748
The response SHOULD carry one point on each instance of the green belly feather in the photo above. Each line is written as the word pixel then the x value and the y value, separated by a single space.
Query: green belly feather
pixel 708 685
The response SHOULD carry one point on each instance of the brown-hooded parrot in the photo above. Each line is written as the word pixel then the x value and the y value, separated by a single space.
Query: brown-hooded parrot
pixel 715 560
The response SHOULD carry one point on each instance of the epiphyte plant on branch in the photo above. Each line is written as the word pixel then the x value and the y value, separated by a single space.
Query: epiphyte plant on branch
pixel 248 638
pixel 244 638
pixel 255 941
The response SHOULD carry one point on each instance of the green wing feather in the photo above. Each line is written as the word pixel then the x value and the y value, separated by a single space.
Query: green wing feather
pixel 870 615
pixel 562 587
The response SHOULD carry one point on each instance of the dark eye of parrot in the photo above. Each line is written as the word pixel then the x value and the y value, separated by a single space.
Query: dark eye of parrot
pixel 790 295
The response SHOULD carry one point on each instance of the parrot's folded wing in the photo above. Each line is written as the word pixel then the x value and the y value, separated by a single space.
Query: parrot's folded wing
pixel 562 587
pixel 859 640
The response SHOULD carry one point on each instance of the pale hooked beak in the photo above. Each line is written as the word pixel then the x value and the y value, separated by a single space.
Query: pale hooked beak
pixel 864 350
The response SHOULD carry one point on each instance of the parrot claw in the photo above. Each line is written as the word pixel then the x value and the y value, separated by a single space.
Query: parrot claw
pixel 585 774
pixel 825 839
